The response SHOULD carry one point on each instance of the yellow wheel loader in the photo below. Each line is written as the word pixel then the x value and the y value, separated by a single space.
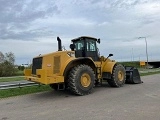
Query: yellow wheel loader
pixel 79 69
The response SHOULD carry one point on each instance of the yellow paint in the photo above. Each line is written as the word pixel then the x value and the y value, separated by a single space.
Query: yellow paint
pixel 65 63
pixel 99 69
pixel 27 72
pixel 42 78
pixel 48 74
pixel 54 65
pixel 85 80
pixel 105 65
pixel 142 63
pixel 120 75
pixel 108 67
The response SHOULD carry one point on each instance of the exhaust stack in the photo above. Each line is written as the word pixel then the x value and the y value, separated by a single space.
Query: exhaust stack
pixel 59 44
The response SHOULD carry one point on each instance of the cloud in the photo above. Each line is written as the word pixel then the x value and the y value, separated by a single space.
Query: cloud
pixel 26 11
pixel 37 23
pixel 17 18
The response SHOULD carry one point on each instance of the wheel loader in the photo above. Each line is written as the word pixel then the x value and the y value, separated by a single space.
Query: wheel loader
pixel 79 69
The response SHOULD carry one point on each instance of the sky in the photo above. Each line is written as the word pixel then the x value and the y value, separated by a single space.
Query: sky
pixel 30 27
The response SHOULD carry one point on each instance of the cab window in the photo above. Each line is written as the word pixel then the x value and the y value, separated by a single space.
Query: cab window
pixel 91 45
pixel 79 45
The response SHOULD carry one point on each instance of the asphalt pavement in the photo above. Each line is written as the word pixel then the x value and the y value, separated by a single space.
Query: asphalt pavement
pixel 131 102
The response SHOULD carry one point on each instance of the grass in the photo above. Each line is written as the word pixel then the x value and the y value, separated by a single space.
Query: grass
pixel 23 91
pixel 17 76
pixel 19 73
pixel 135 64
pixel 9 79
pixel 149 73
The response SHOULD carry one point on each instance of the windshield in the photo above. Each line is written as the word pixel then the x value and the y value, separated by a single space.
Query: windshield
pixel 91 45
pixel 79 44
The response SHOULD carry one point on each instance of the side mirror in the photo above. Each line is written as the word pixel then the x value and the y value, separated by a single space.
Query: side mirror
pixel 98 40
pixel 110 55
pixel 72 46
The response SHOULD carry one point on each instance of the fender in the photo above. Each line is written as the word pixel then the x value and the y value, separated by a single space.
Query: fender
pixel 73 62
pixel 108 67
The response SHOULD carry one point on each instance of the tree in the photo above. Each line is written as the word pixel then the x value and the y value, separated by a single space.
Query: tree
pixel 1 57
pixel 21 68
pixel 10 57
pixel 1 61
pixel 7 64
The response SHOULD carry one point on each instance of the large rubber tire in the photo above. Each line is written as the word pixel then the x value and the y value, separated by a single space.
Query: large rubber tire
pixel 118 76
pixel 81 80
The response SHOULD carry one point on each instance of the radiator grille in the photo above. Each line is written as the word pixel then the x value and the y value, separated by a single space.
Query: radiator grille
pixel 37 64
pixel 56 68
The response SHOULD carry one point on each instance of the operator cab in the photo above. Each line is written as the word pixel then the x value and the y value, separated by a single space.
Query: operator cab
pixel 85 47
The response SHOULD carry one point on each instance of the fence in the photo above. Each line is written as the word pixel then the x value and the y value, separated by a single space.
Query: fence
pixel 17 85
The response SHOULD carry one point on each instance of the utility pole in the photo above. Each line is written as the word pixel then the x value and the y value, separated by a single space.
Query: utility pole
pixel 146 48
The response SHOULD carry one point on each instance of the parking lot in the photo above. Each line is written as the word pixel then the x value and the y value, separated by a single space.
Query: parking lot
pixel 131 102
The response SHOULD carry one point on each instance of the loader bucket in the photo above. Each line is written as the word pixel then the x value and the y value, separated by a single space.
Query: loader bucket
pixel 132 75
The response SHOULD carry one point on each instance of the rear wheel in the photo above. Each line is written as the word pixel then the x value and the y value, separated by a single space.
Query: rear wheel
pixel 118 76
pixel 81 80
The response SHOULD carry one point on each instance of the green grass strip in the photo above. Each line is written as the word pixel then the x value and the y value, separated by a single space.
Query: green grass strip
pixel 9 79
pixel 22 91
pixel 149 73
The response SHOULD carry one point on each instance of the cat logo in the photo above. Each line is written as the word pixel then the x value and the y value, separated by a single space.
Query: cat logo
pixel 48 65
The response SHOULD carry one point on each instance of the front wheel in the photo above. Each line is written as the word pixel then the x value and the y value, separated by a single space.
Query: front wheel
pixel 118 76
pixel 81 80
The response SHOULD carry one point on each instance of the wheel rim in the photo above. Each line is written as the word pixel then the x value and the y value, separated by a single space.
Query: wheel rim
pixel 85 80
pixel 120 76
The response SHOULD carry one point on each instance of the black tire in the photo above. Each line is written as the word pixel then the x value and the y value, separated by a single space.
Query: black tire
pixel 54 86
pixel 81 80
pixel 118 76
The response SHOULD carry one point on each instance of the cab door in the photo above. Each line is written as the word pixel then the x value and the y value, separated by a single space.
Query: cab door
pixel 91 49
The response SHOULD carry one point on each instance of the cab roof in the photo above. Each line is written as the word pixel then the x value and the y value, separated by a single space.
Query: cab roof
pixel 82 37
